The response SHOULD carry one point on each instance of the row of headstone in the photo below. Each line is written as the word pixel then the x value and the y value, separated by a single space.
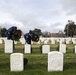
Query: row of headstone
pixel 55 61
pixel 46 40
pixel 60 40
pixel 27 48
pixel 8 47
pixel 46 48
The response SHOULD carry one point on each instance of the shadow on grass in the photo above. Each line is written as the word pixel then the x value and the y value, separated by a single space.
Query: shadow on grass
pixel 36 66
pixel 70 66
pixel 25 62
pixel 4 67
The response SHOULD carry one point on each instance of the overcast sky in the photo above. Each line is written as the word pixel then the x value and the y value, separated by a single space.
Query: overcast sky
pixel 47 15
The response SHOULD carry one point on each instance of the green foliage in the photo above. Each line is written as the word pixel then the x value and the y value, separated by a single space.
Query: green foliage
pixel 70 30
pixel 37 31
pixel 3 30
pixel 16 35
pixel 36 35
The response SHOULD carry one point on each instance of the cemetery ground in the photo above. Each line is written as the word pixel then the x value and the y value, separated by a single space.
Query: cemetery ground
pixel 37 62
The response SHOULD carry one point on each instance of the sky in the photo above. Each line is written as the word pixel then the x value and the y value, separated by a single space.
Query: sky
pixel 47 15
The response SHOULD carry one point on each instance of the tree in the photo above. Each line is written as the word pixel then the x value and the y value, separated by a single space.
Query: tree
pixel 70 29
pixel 3 30
pixel 36 35
pixel 0 30
pixel 46 34
pixel 37 31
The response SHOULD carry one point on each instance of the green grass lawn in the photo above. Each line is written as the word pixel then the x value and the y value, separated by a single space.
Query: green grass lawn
pixel 37 62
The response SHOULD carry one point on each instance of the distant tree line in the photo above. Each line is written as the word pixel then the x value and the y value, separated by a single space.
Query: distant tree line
pixel 36 31
pixel 69 30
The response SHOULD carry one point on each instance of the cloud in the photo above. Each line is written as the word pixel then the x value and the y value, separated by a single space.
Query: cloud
pixel 47 15
pixel 69 6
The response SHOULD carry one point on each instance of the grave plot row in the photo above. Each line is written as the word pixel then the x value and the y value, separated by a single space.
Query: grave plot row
pixel 55 61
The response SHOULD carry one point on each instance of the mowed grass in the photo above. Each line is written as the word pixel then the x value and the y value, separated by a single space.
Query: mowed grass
pixel 37 62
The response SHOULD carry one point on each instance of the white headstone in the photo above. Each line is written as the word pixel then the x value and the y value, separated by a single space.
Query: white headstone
pixel 38 42
pixel 62 48
pixel 15 42
pixel 73 40
pixel 8 46
pixel 75 49
pixel 16 62
pixel 55 61
pixel 32 42
pixel 45 42
pixel 42 39
pixel 22 40
pixel 0 41
pixel 45 48
pixel 68 40
pixel 57 40
pixel 52 41
pixel 61 40
pixel 27 48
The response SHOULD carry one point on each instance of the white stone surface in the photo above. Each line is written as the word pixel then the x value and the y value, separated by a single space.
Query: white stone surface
pixel 38 42
pixel 0 41
pixel 74 40
pixel 15 42
pixel 42 39
pixel 45 48
pixel 27 48
pixel 55 61
pixel 75 49
pixel 22 40
pixel 62 48
pixel 16 62
pixel 45 42
pixel 61 40
pixel 8 46
pixel 32 42
pixel 52 41
pixel 68 40
pixel 58 40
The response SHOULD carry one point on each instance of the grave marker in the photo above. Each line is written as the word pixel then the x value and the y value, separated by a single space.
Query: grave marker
pixel 55 61
pixel 16 62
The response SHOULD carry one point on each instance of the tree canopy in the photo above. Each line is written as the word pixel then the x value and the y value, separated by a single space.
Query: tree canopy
pixel 2 32
pixel 70 29
pixel 37 31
